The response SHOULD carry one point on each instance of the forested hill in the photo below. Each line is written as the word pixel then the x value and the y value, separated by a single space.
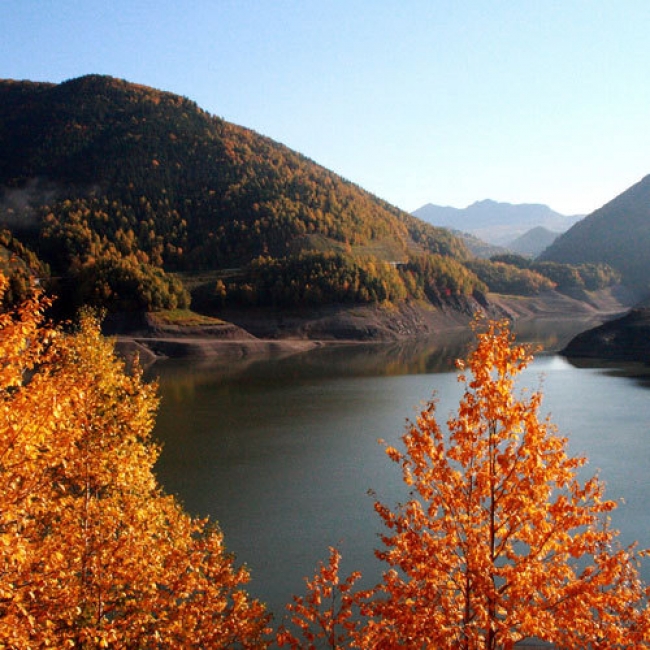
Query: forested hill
pixel 101 167
pixel 221 192
pixel 126 197
pixel 617 234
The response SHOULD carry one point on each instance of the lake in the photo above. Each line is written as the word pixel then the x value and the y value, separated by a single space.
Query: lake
pixel 282 452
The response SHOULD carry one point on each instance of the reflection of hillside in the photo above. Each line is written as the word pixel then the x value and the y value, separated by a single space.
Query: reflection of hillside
pixel 179 379
pixel 550 336
pixel 637 371
pixel 417 356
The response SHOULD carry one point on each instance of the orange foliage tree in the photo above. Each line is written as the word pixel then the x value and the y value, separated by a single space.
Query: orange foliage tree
pixel 499 540
pixel 329 615
pixel 92 552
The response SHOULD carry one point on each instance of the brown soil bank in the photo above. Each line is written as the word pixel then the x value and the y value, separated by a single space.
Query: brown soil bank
pixel 267 332
pixel 412 318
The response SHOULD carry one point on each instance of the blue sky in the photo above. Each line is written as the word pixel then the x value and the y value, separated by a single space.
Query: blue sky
pixel 417 101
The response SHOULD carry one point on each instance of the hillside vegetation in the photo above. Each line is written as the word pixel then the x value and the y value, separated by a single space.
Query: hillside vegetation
pixel 130 198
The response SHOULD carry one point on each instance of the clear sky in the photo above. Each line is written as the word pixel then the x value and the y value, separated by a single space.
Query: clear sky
pixel 417 101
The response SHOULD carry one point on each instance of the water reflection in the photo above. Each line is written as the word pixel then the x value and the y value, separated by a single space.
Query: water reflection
pixel 425 355
pixel 638 372
pixel 332 359
pixel 281 451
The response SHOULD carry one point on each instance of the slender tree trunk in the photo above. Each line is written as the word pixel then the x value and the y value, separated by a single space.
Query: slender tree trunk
pixel 490 642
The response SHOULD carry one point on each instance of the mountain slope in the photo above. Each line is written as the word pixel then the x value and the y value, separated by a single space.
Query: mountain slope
pixel 115 185
pixel 99 136
pixel 617 234
pixel 533 241
pixel 136 198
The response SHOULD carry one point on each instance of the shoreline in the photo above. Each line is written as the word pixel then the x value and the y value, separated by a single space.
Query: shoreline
pixel 153 349
pixel 269 335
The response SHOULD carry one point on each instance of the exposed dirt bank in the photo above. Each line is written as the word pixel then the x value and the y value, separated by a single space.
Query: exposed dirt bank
pixel 599 305
pixel 272 333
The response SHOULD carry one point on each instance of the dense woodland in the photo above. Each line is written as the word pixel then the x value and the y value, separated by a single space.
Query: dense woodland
pixel 515 274
pixel 117 195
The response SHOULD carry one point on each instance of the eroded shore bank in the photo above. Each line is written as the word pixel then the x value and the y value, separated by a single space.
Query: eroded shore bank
pixel 266 334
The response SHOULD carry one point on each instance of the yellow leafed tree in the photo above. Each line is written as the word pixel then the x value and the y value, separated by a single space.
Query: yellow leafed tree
pixel 499 541
pixel 92 553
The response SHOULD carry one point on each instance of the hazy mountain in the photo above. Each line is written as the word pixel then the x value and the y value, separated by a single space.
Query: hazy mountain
pixel 478 247
pixel 494 222
pixel 617 234
pixel 533 242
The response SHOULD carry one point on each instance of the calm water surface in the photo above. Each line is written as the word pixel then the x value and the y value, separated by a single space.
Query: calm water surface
pixel 282 452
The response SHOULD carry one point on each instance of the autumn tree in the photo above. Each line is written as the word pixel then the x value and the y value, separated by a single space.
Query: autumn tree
pixel 92 552
pixel 499 540
pixel 328 616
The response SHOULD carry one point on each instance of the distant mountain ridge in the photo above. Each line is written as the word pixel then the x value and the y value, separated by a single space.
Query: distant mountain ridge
pixel 496 222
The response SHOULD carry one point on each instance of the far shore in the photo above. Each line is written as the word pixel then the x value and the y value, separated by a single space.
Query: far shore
pixel 241 344
pixel 152 349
